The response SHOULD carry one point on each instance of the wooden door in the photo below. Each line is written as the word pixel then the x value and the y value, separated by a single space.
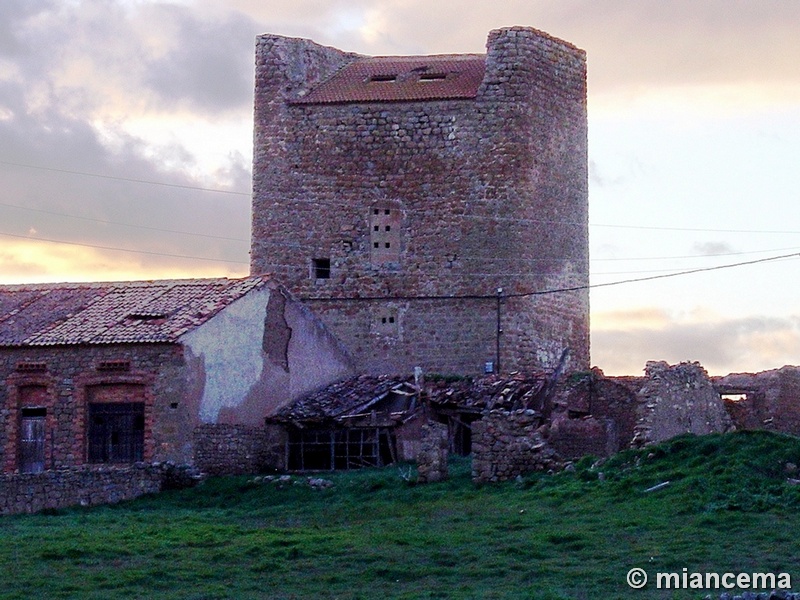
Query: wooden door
pixel 32 441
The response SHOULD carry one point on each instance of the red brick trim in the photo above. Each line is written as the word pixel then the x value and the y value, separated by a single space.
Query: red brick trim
pixel 15 383
pixel 83 385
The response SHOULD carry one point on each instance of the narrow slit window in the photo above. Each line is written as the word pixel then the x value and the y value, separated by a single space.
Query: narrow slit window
pixel 386 323
pixel 385 231
pixel 322 268
pixel 31 367
pixel 385 78
pixel 114 365
pixel 433 77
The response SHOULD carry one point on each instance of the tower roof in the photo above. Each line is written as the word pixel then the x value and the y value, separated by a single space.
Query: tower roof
pixel 401 78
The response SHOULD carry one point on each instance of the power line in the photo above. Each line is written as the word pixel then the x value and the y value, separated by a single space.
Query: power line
pixel 576 288
pixel 693 255
pixel 347 204
pixel 421 211
pixel 41 239
pixel 471 274
pixel 298 246
pixel 696 229
pixel 147 227
pixel 678 274
pixel 128 179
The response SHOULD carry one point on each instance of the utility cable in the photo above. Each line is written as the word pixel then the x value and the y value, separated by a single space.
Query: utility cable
pixel 576 288
pixel 668 275
pixel 421 211
pixel 106 222
pixel 127 179
pixel 41 239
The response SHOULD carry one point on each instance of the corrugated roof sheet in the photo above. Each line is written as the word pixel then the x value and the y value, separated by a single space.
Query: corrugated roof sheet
pixel 118 312
pixel 401 78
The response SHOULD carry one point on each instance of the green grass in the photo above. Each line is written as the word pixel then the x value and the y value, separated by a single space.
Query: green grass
pixel 373 535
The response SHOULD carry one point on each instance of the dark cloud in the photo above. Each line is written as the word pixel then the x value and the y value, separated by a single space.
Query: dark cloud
pixel 12 13
pixel 210 64
pixel 68 148
pixel 630 43
pixel 73 75
pixel 84 57
pixel 712 248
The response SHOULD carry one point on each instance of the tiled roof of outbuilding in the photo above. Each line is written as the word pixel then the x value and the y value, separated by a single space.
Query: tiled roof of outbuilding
pixel 401 78
pixel 477 394
pixel 118 312
pixel 339 398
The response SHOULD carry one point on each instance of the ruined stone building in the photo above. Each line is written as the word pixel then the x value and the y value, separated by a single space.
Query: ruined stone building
pixel 173 370
pixel 422 211
pixel 428 208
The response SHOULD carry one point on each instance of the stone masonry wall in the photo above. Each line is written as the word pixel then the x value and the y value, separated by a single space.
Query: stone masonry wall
pixel 432 457
pixel 230 449
pixel 28 493
pixel 483 193
pixel 768 400
pixel 677 399
pixel 506 444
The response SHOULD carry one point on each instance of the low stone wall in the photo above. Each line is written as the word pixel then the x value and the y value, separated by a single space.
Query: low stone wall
pixel 432 456
pixel 574 438
pixel 506 444
pixel 77 486
pixel 230 449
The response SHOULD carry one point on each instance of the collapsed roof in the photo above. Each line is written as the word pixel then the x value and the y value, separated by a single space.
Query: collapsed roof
pixel 368 397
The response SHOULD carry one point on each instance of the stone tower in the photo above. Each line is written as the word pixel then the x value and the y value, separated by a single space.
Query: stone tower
pixel 396 196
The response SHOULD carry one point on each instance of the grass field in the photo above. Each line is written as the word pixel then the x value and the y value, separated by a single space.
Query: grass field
pixel 728 508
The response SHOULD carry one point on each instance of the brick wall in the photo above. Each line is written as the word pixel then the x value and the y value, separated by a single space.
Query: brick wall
pixel 68 377
pixel 486 193
pixel 677 399
pixel 588 436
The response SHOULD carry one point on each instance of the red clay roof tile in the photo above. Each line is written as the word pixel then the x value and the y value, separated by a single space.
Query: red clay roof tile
pixel 119 312
pixel 401 78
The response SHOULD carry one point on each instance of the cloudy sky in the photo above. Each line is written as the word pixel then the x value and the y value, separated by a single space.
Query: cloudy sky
pixel 126 133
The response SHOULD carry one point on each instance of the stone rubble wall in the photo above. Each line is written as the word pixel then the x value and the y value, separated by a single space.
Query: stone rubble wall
pixel 432 456
pixel 573 438
pixel 506 444
pixel 677 399
pixel 768 400
pixel 223 449
pixel 320 171
pixel 77 486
